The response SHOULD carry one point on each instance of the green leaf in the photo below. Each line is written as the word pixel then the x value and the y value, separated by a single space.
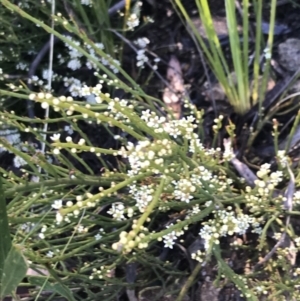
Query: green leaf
pixel 14 270
pixel 58 288
pixel 5 241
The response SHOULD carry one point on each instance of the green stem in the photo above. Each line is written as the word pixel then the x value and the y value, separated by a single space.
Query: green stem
pixel 189 282
pixel 229 273
pixel 150 208
pixel 180 225
pixel 31 186
pixel 111 190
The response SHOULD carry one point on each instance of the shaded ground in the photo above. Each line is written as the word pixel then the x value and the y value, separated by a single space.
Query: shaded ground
pixel 170 37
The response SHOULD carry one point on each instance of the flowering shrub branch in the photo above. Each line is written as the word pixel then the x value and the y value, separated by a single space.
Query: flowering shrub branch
pixel 154 187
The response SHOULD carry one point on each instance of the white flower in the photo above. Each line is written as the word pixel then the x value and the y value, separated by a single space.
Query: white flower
pixel 143 197
pixel 21 66
pixel 99 45
pixel 34 78
pixel 91 99
pixel 50 254
pixel 117 211
pixel 18 162
pixel 12 136
pixel 169 239
pixel 146 115
pixel 142 42
pixel 57 204
pixel 183 190
pixel 228 151
pixel 45 74
pixel 283 159
pixel 267 53
pixel 74 64
pixel 276 177
pixel 195 145
pixel 59 218
pixel 68 129
pixel 297 195
pixel 141 58
pixel 264 170
pixel 98 236
pixel 80 229
pixel 169 244
pixel 56 151
pixel 55 137
pixel 206 234
pixel 85 90
pixel 133 21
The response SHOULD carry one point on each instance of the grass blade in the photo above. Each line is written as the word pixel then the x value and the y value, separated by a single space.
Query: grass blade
pixel 5 240
pixel 14 270
pixel 58 288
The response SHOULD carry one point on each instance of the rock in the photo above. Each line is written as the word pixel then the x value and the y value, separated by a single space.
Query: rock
pixel 289 54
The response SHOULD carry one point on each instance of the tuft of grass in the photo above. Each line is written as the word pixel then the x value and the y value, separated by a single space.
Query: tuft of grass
pixel 236 84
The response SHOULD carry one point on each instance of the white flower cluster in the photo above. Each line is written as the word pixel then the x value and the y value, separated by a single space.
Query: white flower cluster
pixel 22 66
pixel 228 153
pixel 195 210
pixel 50 254
pixel 297 242
pixel 218 123
pixel 75 86
pixel 35 81
pixel 267 180
pixel 142 42
pixel 200 174
pixel 92 94
pixel 46 73
pixel 42 233
pixel 19 161
pixel 106 60
pixel 74 54
pixel 202 177
pixel 57 204
pixel 199 256
pixel 116 106
pixel 81 229
pixel 12 136
pixel 183 190
pixel 133 21
pixel 283 158
pixel 147 155
pixel 117 211
pixel 196 145
pixel 87 2
pixel 226 222
pixel 142 195
pixel 296 197
pixel 175 128
pixel 141 58
pixel 262 194
pixel 170 238
pixel 98 273
pixel 76 57
pixel 99 235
